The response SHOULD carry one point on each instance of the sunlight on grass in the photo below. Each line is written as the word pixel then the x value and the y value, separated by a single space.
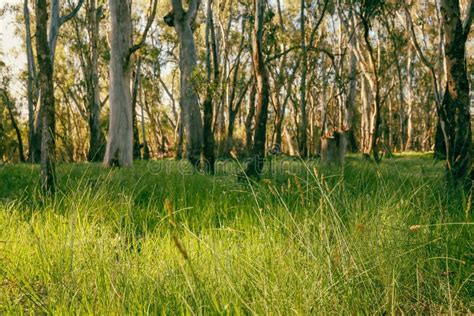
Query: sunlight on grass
pixel 368 239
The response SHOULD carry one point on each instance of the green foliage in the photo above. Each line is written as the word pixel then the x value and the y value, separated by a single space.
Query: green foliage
pixel 307 240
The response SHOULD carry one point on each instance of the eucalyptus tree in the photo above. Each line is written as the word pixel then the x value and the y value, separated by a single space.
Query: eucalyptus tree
pixel 212 70
pixel 350 104
pixel 303 119
pixel 91 72
pixel 454 113
pixel 135 95
pixel 56 22
pixel 8 102
pixel 119 150
pixel 87 40
pixel 183 22
pixel 34 139
pixel 256 162
pixel 46 85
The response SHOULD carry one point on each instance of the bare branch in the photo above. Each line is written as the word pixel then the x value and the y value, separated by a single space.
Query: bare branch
pixel 151 18
pixel 72 14
pixel 330 54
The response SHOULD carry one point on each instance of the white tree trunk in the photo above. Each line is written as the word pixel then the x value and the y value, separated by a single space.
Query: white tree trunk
pixel 119 150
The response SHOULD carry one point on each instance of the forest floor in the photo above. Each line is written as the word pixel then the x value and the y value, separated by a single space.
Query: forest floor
pixel 306 239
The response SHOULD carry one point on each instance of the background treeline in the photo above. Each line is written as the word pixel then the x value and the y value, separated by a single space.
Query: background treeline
pixel 290 74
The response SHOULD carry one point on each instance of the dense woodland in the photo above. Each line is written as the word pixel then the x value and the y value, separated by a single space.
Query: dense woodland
pixel 204 80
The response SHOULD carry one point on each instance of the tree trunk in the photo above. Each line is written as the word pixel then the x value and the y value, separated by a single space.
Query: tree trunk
pixel 47 99
pixel 55 24
pixel 211 50
pixel 189 101
pixel 455 116
pixel 350 104
pixel 323 104
pixel 119 150
pixel 136 86
pixel 249 119
pixel 303 117
pixel 10 106
pixel 409 99
pixel 256 163
pixel 365 126
pixel 401 96
pixel 146 149
pixel 97 139
pixel 179 137
pixel 439 145
pixel 333 149
pixel 34 143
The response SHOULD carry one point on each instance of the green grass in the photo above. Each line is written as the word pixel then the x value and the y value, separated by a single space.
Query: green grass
pixel 307 239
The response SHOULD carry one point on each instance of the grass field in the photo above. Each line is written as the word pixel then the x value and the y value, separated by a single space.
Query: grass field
pixel 307 239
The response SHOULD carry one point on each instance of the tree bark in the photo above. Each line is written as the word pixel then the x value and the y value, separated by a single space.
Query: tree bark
pixel 401 96
pixel 10 106
pixel 51 38
pixel 55 24
pixel 303 117
pixel 97 139
pixel 212 77
pixel 136 87
pixel 34 138
pixel 365 126
pixel 350 104
pixel 179 137
pixel 256 162
pixel 146 149
pixel 119 150
pixel 47 168
pixel 183 21
pixel 249 119
pixel 455 116
pixel 375 87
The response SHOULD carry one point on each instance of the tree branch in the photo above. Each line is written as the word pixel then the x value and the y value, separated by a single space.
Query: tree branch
pixel 72 14
pixel 192 12
pixel 318 23
pixel 151 18
pixel 466 27
pixel 309 48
